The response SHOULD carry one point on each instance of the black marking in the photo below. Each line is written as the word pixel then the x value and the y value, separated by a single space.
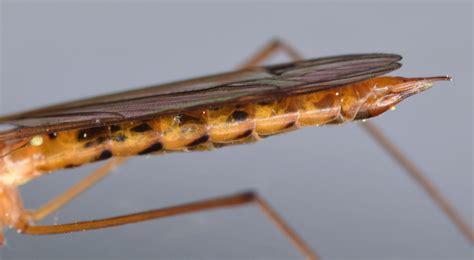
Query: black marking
pixel 153 148
pixel 199 141
pixel 245 134
pixel 239 115
pixel 91 133
pixel 53 135
pixel 120 138
pixel 70 166
pixel 141 128
pixel 115 128
pixel 106 154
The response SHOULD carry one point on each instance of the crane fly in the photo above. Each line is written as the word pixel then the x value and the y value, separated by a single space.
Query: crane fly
pixel 205 113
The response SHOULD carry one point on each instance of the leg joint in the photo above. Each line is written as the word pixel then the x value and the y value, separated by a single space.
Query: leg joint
pixel 250 196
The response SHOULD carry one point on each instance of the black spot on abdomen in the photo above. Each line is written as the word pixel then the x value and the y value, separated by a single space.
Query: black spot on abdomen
pixel 199 141
pixel 244 134
pixel 141 128
pixel 239 115
pixel 152 148
pixel 104 155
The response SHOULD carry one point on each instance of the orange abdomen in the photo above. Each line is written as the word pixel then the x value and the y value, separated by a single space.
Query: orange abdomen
pixel 201 129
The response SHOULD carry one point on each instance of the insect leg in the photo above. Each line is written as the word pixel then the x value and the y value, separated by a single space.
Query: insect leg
pixel 422 180
pixel 215 203
pixel 373 131
pixel 270 49
pixel 76 190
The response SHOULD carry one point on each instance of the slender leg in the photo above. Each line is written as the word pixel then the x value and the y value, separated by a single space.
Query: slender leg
pixel 270 49
pixel 75 190
pixel 386 144
pixel 422 180
pixel 221 202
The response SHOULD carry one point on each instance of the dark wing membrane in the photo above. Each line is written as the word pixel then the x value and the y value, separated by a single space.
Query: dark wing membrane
pixel 255 84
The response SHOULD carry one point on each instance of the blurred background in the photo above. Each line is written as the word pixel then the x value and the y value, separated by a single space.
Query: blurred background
pixel 334 185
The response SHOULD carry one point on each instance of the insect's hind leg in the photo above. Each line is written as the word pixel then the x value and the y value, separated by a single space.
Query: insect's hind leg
pixel 215 203
pixel 76 190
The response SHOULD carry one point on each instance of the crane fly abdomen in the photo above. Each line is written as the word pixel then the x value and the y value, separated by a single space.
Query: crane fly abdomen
pixel 206 128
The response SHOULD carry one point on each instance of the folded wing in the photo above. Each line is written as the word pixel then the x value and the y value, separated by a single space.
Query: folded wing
pixel 250 85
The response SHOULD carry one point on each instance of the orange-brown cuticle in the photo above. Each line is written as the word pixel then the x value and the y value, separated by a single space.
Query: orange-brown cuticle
pixel 200 129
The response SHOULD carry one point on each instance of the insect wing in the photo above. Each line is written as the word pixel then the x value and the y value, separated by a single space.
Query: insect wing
pixel 250 85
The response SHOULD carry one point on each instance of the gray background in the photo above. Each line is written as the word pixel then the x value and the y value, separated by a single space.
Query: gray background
pixel 335 186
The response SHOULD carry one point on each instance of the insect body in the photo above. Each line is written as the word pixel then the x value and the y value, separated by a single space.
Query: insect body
pixel 200 114
pixel 204 129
